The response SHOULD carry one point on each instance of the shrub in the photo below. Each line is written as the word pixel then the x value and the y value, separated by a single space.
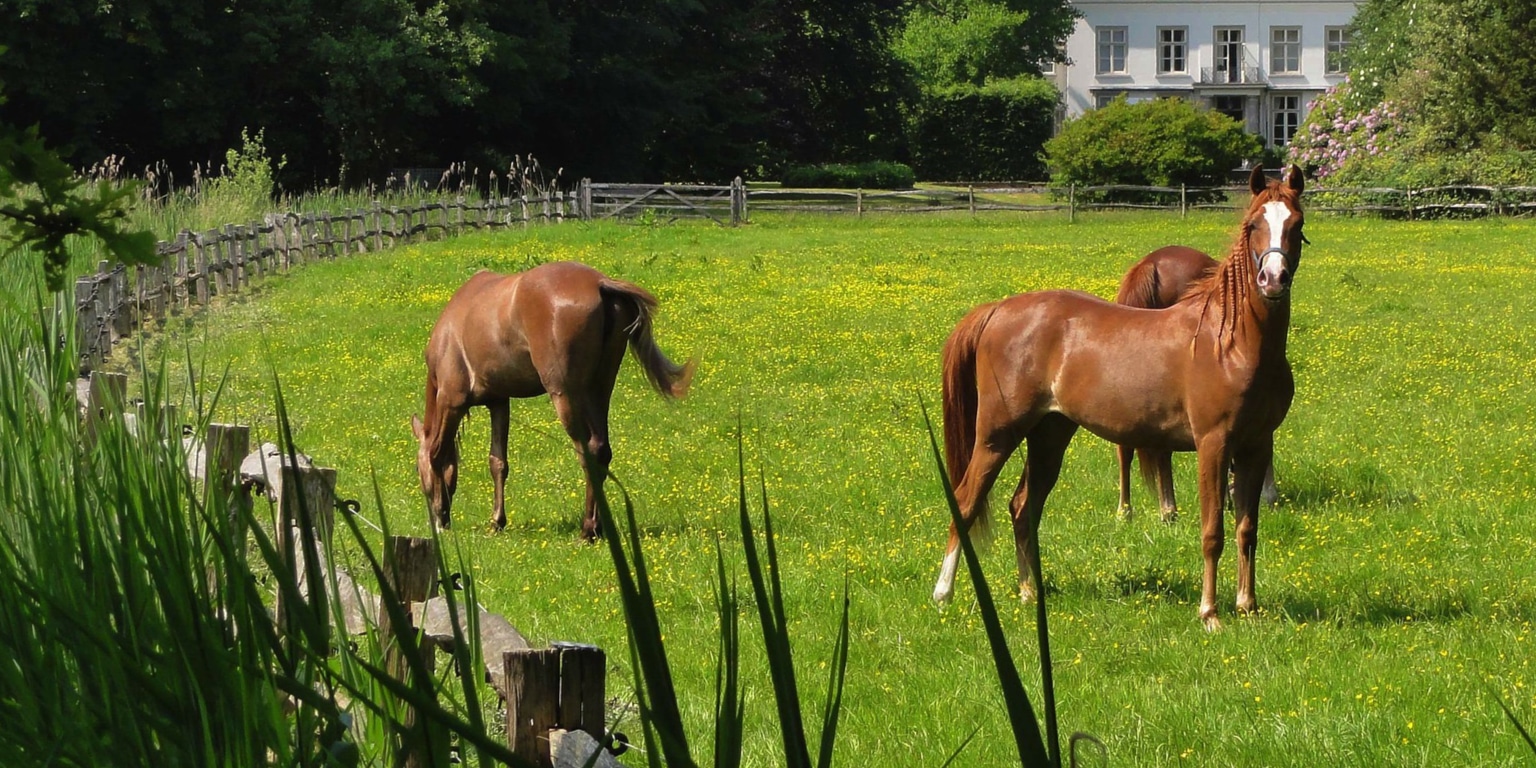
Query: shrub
pixel 871 175
pixel 1163 142
pixel 994 132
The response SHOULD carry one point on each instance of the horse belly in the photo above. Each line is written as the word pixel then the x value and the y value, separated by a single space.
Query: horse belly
pixel 1130 405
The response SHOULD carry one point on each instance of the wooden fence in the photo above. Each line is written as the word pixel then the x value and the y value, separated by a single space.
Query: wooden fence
pixel 726 205
pixel 195 267
pixel 556 697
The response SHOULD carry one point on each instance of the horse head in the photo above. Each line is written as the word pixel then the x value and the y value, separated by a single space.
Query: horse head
pixel 1273 231
pixel 437 462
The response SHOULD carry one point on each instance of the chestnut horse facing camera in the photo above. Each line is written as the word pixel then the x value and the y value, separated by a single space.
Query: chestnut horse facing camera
pixel 1208 374
pixel 1156 281
pixel 559 328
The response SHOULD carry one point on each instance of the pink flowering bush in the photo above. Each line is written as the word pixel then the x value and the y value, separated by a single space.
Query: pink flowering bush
pixel 1337 132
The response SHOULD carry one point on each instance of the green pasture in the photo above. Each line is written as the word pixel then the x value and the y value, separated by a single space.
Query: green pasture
pixel 1397 576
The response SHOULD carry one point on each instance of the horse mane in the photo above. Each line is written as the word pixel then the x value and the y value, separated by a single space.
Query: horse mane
pixel 1226 287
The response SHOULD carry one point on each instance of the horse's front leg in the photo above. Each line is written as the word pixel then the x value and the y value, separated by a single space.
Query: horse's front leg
pixel 498 461
pixel 1212 453
pixel 1248 475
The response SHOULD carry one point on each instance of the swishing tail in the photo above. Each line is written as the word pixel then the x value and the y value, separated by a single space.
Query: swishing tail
pixel 670 379
pixel 1141 289
pixel 960 396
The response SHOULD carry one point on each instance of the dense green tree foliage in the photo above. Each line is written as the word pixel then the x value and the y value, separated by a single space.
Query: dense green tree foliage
pixel 346 90
pixel 1452 84
pixel 947 42
pixel 993 132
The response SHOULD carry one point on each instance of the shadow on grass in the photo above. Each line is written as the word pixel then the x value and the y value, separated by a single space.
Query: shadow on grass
pixel 1362 484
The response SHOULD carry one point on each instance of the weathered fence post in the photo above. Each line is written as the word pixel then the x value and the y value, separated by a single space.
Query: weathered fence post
pixel 970 197
pixel 584 204
pixel 108 394
pixel 533 683
pixel 224 447
pixel 1072 202
pixel 739 196
pixel 306 495
pixel 410 569
pixel 858 203
pixel 1183 202
pixel 201 283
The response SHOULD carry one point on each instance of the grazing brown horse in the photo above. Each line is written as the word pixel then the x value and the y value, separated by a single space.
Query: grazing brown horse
pixel 1208 374
pixel 1156 281
pixel 559 328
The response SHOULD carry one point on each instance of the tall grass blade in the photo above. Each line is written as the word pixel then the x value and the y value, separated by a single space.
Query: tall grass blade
pixel 659 708
pixel 770 611
pixel 1021 716
pixel 730 699
pixel 1514 720
pixel 838 675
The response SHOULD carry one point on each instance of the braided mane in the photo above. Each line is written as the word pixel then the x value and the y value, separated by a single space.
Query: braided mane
pixel 1227 287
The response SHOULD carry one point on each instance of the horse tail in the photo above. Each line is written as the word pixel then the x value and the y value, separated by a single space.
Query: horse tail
pixel 668 378
pixel 960 395
pixel 1141 287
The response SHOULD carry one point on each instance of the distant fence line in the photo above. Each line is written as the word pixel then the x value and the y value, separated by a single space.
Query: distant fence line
pixel 197 266
pixel 194 267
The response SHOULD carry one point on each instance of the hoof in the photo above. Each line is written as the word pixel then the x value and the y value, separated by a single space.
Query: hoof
pixel 1126 513
pixel 1210 620
pixel 942 596
pixel 1170 516
pixel 1247 607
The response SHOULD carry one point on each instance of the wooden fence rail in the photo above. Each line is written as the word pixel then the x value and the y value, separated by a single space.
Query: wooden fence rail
pixel 196 267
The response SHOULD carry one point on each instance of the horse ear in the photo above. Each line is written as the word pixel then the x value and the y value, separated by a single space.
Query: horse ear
pixel 1256 180
pixel 1295 179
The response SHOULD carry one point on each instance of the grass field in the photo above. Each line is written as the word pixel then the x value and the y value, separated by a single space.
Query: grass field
pixel 1397 576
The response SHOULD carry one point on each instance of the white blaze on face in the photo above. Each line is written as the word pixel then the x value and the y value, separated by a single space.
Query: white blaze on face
pixel 1272 269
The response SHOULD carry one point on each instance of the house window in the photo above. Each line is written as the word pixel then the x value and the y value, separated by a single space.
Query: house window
pixel 1333 56
pixel 1229 55
pixel 1285 50
pixel 1286 115
pixel 1231 106
pixel 1111 50
pixel 1102 100
pixel 1171 49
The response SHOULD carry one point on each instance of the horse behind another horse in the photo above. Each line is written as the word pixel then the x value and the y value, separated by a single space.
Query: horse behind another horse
pixel 559 328
pixel 1156 281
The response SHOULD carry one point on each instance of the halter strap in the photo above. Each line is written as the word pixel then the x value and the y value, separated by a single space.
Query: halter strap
pixel 1258 258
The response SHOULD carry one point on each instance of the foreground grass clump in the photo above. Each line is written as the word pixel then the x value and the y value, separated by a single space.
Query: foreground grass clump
pixel 1396 577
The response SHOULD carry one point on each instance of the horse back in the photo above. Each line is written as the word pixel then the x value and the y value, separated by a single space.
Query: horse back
pixel 1118 371
pixel 1160 278
pixel 515 335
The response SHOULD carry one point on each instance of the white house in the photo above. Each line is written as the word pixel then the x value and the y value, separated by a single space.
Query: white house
pixel 1260 62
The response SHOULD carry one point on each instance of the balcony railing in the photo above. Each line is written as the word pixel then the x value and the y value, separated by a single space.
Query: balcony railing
pixel 1227 76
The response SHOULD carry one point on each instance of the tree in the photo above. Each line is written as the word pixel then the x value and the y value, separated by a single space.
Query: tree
pixel 46 205
pixel 947 42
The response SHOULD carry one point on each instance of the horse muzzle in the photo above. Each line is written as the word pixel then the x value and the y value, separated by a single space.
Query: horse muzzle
pixel 1274 278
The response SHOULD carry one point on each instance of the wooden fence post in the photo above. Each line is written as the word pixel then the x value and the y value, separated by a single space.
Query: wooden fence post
pixel 584 205
pixel 410 568
pixel 1183 202
pixel 970 196
pixel 1071 202
pixel 108 395
pixel 224 447
pixel 739 196
pixel 858 203
pixel 201 283
pixel 533 684
pixel 315 489
pixel 583 689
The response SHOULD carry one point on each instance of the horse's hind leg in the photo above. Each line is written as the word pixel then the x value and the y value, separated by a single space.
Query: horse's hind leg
pixel 599 450
pixel 1046 446
pixel 1164 462
pixel 498 460
pixel 1270 495
pixel 971 496
pixel 573 416
pixel 1126 455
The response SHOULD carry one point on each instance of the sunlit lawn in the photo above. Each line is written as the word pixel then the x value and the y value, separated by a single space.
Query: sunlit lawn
pixel 1397 575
